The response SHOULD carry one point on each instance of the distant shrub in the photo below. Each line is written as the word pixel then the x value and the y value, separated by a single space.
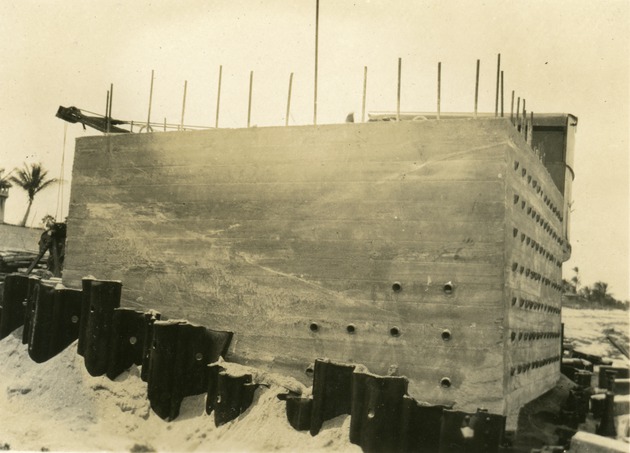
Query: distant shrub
pixel 137 448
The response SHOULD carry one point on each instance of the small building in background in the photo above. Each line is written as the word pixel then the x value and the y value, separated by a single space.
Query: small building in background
pixel 4 194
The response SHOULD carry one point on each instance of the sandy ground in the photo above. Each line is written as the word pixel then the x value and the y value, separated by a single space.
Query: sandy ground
pixel 587 331
pixel 58 406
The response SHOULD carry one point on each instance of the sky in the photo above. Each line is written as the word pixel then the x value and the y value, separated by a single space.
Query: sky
pixel 562 56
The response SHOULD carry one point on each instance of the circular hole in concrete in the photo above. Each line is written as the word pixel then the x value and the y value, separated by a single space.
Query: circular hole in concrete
pixel 309 371
pixel 394 331
pixel 448 288
pixel 74 319
pixel 446 335
pixel 198 356
pixel 445 382
pixel 396 287
pixel 350 328
pixel 133 340
pixel 314 327
pixel 371 413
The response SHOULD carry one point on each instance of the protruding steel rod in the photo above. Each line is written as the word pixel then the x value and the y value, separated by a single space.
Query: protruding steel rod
pixel 164 124
pixel 131 126
pixel 439 89
pixel 517 112
pixel 111 99
pixel 150 101
pixel 59 210
pixel 107 112
pixel 286 123
pixel 501 94
pixel 316 61
pixel 181 123
pixel 496 97
pixel 524 120
pixel 364 94
pixel 249 102
pixel 512 109
pixel 530 134
pixel 477 88
pixel 216 122
pixel 398 92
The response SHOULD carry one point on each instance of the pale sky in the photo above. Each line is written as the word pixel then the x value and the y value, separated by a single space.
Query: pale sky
pixel 562 56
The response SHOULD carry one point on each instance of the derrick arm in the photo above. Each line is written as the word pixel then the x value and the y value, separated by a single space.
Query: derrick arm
pixel 75 115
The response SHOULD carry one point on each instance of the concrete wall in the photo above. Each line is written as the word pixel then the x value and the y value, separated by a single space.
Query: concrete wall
pixel 535 249
pixel 13 237
pixel 270 231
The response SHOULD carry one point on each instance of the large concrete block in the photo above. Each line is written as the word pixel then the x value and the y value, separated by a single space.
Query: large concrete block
pixel 584 442
pixel 427 249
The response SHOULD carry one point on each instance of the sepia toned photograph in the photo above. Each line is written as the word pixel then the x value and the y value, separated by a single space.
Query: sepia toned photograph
pixel 315 225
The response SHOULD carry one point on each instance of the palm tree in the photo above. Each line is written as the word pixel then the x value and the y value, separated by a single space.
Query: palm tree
pixel 33 180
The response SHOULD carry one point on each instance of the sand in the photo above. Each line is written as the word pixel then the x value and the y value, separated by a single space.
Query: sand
pixel 58 406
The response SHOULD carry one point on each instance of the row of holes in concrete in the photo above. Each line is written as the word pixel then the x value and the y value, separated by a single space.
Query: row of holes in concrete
pixel 526 240
pixel 540 220
pixel 536 276
pixel 448 287
pixel 394 331
pixel 535 306
pixel 547 200
pixel 522 368
pixel 528 336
